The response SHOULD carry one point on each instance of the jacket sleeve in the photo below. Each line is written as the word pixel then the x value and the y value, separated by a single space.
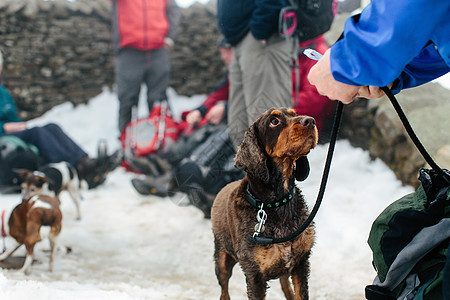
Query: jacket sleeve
pixel 173 16
pixel 219 94
pixel 388 37
pixel 264 20
pixel 8 109
pixel 427 66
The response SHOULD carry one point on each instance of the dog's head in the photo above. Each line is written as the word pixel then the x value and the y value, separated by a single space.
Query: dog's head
pixel 34 183
pixel 281 135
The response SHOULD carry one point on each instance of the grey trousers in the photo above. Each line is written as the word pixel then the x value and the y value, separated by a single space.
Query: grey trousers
pixel 260 78
pixel 134 67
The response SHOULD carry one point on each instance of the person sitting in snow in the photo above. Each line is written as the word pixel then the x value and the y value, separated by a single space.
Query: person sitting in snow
pixel 166 171
pixel 53 143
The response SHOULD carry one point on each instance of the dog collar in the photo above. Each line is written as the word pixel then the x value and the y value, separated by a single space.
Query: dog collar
pixel 255 202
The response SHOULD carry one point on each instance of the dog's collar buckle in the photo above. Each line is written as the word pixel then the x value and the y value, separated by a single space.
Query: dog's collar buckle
pixel 261 216
pixel 255 202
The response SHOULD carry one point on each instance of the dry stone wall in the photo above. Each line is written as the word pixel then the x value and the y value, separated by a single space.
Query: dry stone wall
pixel 59 51
pixel 54 51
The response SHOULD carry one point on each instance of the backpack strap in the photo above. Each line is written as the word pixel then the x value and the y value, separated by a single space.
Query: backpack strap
pixel 17 142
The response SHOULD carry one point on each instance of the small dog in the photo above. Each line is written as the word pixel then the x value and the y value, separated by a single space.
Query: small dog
pixel 273 154
pixel 51 180
pixel 37 217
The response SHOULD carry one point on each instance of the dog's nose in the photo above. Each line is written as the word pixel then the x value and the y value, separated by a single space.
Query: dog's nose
pixel 309 122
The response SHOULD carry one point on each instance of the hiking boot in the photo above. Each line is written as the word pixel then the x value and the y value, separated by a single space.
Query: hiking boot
pixel 201 199
pixel 95 170
pixel 162 164
pixel 150 165
pixel 153 186
pixel 142 164
pixel 86 168
pixel 102 149
pixel 113 161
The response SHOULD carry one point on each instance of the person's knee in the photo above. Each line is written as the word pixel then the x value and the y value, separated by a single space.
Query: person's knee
pixel 52 127
pixel 34 131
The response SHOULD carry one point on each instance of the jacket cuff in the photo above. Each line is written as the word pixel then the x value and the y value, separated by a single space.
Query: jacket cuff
pixel 202 109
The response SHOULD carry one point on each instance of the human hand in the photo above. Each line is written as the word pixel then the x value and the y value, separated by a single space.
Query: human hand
pixel 215 114
pixel 14 126
pixel 320 76
pixel 168 43
pixel 371 92
pixel 194 117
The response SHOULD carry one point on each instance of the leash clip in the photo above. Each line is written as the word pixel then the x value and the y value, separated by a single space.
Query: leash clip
pixel 312 54
pixel 261 216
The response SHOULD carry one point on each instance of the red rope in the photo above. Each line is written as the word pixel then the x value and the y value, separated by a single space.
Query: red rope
pixel 3 224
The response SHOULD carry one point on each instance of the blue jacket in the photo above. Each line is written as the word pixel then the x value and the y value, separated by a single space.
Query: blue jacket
pixel 237 17
pixel 389 42
pixel 8 109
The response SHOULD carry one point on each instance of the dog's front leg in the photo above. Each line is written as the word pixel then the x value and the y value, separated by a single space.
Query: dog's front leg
pixel 224 269
pixel 76 196
pixel 286 287
pixel 300 275
pixel 8 253
pixel 256 286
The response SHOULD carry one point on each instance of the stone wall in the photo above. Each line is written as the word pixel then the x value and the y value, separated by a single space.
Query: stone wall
pixel 54 51
pixel 58 51
pixel 196 63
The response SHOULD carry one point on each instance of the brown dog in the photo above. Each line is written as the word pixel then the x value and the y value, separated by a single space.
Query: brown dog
pixel 273 154
pixel 33 219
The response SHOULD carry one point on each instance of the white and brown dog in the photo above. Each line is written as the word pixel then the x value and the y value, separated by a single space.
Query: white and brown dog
pixel 51 180
pixel 34 219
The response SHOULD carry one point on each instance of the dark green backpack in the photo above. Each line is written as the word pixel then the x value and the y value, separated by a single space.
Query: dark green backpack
pixel 16 154
pixel 410 240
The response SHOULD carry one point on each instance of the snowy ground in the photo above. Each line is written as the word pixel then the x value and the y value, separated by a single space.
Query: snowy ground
pixel 129 246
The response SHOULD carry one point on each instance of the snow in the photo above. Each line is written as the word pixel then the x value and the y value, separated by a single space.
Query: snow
pixel 129 246
pixel 187 3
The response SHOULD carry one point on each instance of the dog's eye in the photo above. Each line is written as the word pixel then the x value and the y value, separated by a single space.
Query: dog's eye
pixel 274 122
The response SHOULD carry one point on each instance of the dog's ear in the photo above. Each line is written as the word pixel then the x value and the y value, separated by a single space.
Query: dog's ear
pixel 250 158
pixel 43 180
pixel 301 168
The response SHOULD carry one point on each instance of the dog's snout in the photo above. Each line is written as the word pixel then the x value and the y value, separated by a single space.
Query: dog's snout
pixel 308 122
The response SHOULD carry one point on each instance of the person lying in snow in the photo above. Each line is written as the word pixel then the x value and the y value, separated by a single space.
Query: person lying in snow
pixel 53 144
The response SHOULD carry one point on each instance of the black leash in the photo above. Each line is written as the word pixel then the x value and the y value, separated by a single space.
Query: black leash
pixel 261 240
pixel 413 136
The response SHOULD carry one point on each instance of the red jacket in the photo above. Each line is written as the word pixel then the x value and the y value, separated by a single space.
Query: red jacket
pixel 219 94
pixel 144 24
